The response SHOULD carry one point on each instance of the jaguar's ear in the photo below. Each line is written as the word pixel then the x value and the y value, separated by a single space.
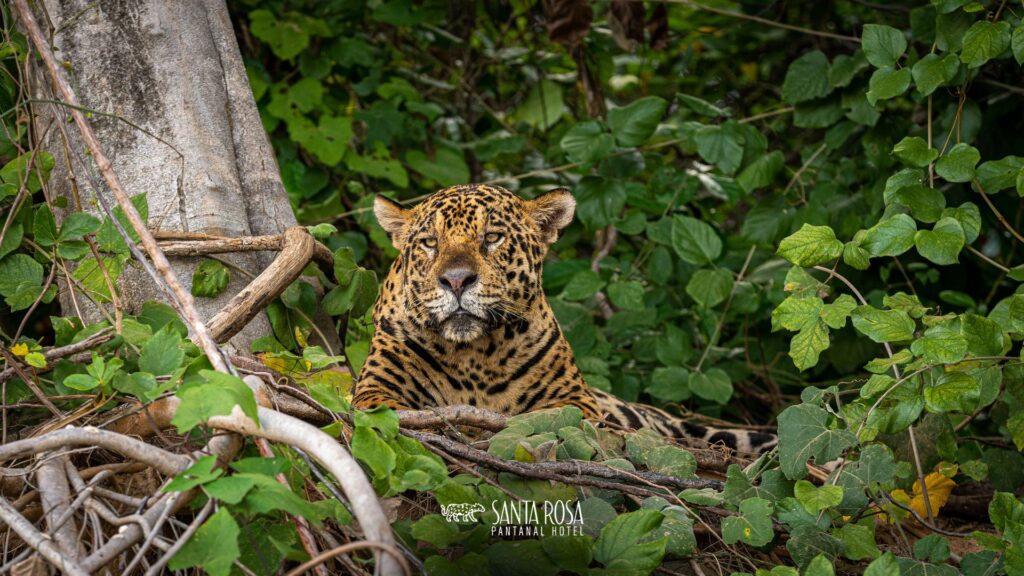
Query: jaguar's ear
pixel 390 215
pixel 552 211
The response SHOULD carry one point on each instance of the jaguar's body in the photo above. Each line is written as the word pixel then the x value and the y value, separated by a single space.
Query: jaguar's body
pixel 462 318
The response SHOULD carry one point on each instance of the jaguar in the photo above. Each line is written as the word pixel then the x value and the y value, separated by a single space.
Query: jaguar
pixel 462 317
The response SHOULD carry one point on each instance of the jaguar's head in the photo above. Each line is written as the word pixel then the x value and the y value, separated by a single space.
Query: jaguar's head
pixel 471 256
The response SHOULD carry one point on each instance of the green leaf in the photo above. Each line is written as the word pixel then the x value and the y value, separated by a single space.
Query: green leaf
pixel 328 140
pixel 933 71
pixel 804 434
pixel 883 325
pixel 584 284
pixel 210 278
pixel 700 106
pixel 77 225
pixel 810 246
pixel 217 396
pixel 587 142
pixel 710 286
pixel 16 270
pixel 229 489
pixel 815 499
pixel 368 447
pixel 83 382
pixel 721 145
pixel 44 230
pixel 448 166
pixel 914 151
pixel 695 241
pixel 286 38
pixel 621 545
pixel 884 565
pixel 943 243
pixel 202 471
pixel 888 83
pixel 214 547
pixel 926 204
pixel 356 297
pixel 941 344
pixel 806 78
pixel 797 313
pixel 836 313
pixel 162 354
pixel 858 541
pixel 670 383
pixel 882 45
pixel 433 528
pixel 1017 44
pixel 712 384
pixel 820 565
pixel 806 347
pixel 12 240
pixel 627 295
pixel 634 123
pixel 996 175
pixel 958 164
pixel 984 41
pixel 761 172
pixel 753 526
pixel 951 392
pixel 890 237
pixel 92 279
pixel 543 107
pixel 844 68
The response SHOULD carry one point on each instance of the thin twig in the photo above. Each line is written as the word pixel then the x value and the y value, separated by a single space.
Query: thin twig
pixel 351 547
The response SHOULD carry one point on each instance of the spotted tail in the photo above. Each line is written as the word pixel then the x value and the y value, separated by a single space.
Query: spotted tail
pixel 637 416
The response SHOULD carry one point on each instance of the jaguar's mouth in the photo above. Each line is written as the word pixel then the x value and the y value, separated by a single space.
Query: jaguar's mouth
pixel 462 326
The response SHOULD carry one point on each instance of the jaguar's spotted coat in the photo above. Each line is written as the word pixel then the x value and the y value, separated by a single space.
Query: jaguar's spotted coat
pixel 462 318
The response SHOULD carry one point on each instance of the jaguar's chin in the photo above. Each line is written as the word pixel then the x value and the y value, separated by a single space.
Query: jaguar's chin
pixel 462 327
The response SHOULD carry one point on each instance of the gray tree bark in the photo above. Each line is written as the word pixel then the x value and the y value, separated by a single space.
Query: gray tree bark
pixel 178 120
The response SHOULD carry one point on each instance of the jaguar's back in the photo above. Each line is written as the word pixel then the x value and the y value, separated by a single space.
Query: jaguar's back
pixel 462 317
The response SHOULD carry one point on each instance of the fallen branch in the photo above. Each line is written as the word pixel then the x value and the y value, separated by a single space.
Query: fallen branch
pixel 161 460
pixel 574 472
pixel 38 541
pixel 298 247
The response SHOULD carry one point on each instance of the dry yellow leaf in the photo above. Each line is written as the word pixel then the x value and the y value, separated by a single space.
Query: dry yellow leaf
pixel 939 488
pixel 19 349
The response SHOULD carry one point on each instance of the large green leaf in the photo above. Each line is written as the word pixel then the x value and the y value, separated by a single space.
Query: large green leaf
pixel 888 83
pixel 883 325
pixel 943 243
pixel 882 45
pixel 811 246
pixel 621 546
pixel 722 145
pixel 933 71
pixel 806 78
pixel 804 434
pixel 634 123
pixel 890 237
pixel 958 164
pixel 695 241
pixel 214 547
pixel 984 41
pixel 753 526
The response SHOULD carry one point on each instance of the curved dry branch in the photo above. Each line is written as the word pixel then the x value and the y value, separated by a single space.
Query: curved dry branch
pixel 296 251
pixel 163 461
pixel 38 541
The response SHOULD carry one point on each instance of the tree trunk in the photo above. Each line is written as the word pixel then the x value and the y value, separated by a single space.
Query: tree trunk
pixel 174 110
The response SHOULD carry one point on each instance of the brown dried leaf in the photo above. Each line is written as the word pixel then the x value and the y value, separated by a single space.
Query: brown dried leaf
pixel 627 22
pixel 568 21
pixel 657 27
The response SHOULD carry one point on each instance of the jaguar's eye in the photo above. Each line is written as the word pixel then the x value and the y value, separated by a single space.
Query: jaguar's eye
pixel 429 242
pixel 493 237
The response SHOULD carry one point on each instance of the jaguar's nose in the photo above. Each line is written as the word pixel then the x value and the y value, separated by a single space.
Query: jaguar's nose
pixel 457 280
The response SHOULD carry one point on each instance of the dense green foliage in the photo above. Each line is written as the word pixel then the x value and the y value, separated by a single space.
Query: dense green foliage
pixel 820 223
